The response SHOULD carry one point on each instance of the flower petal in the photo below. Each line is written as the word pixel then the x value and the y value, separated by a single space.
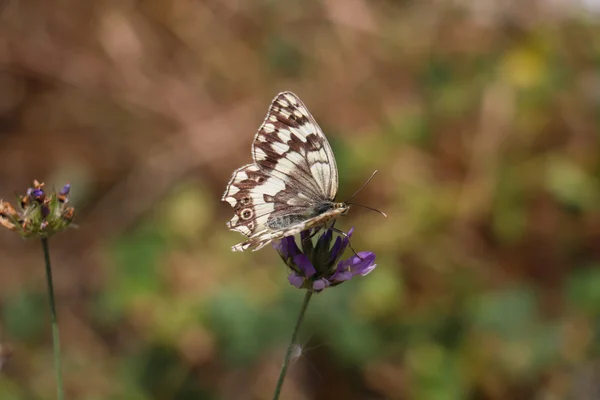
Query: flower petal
pixel 304 265
pixel 324 241
pixel 335 250
pixel 346 240
pixel 278 245
pixel 359 264
pixel 320 284
pixel 292 247
pixel 341 276
pixel 305 242
pixel 305 234
pixel 296 280
pixel 286 247
pixel 368 270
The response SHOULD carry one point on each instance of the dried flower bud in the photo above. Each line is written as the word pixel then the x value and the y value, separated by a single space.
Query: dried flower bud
pixel 41 214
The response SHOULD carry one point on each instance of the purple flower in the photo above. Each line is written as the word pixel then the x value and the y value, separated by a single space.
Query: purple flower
pixel 319 265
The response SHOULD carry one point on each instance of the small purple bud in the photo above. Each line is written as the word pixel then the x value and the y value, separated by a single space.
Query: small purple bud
pixel 37 193
pixel 65 190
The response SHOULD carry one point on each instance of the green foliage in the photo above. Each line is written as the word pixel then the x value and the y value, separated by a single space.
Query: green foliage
pixel 135 274
pixel 25 316
pixel 508 313
pixel 243 331
pixel 583 289
pixel 284 57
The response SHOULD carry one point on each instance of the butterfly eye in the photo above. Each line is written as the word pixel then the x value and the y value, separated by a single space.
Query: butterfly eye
pixel 260 179
pixel 245 200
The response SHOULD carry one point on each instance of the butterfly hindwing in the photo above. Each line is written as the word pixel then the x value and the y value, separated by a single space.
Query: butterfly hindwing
pixel 258 241
pixel 292 183
pixel 245 193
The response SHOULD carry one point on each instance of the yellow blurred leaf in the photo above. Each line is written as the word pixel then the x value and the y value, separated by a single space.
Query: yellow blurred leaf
pixel 379 292
pixel 523 67
pixel 188 211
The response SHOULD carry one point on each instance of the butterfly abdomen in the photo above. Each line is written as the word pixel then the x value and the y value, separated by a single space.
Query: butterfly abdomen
pixel 284 221
pixel 288 220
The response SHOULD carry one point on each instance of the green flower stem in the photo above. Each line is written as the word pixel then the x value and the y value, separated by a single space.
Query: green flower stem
pixel 288 353
pixel 55 337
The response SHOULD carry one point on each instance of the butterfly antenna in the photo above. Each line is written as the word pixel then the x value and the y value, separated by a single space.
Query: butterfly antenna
pixel 368 208
pixel 362 187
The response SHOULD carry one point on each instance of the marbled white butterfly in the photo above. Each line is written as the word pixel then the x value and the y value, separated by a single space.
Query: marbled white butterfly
pixel 292 183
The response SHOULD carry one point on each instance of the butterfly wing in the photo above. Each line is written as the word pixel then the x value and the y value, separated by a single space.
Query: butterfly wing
pixel 246 194
pixel 261 238
pixel 293 175
pixel 291 145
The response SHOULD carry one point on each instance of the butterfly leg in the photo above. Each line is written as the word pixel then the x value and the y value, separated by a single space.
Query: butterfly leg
pixel 344 234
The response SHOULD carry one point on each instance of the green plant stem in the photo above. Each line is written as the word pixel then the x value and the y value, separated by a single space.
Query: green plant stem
pixel 288 353
pixel 55 336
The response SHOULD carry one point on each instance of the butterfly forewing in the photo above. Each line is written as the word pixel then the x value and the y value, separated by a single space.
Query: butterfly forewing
pixel 290 144
pixel 293 181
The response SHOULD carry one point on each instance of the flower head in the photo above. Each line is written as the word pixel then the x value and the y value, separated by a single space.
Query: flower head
pixel 319 265
pixel 41 214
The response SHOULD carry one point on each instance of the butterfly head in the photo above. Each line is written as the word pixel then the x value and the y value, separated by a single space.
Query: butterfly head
pixel 342 207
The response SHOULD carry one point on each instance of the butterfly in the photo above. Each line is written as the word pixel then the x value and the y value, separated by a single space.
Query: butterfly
pixel 292 183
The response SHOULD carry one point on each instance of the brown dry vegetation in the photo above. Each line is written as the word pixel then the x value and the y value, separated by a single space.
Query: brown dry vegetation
pixel 482 118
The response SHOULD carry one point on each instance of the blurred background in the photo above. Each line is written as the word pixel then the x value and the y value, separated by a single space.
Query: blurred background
pixel 481 116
